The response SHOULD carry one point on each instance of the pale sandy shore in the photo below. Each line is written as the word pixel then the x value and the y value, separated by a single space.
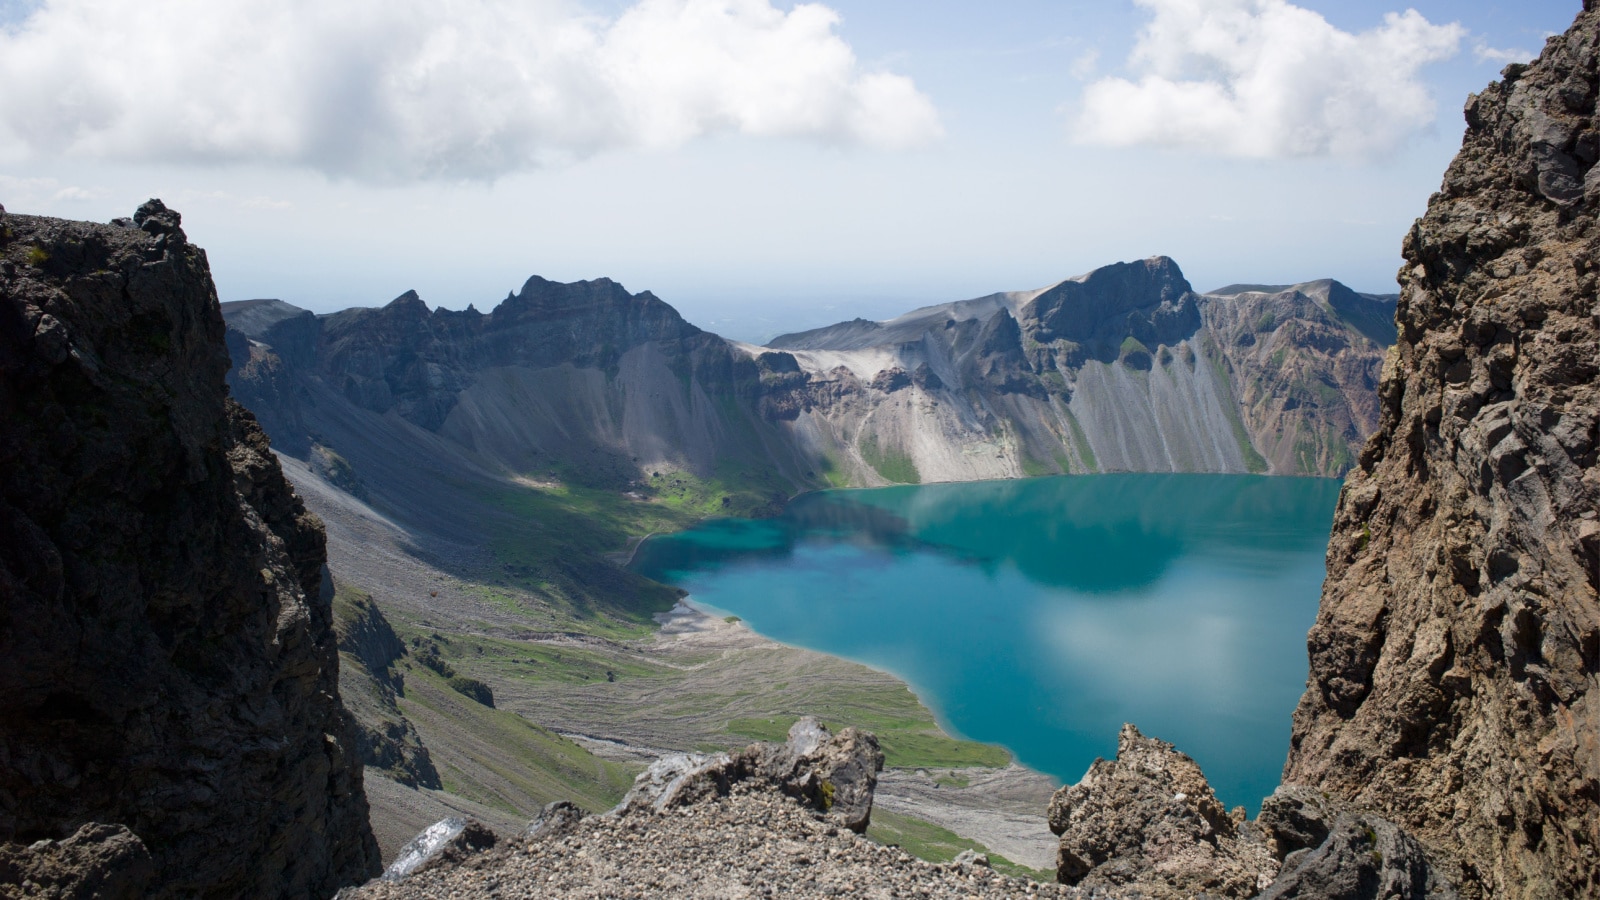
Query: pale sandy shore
pixel 715 665
pixel 1003 809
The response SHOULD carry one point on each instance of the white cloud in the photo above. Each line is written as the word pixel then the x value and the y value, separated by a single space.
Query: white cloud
pixel 1486 53
pixel 1267 79
pixel 43 192
pixel 396 90
pixel 228 198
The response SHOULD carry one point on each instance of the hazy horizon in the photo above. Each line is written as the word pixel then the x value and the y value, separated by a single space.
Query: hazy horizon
pixel 760 166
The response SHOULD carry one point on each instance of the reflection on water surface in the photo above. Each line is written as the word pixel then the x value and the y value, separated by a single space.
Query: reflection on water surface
pixel 1041 614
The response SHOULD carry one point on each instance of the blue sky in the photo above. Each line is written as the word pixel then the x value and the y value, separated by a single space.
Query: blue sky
pixel 761 166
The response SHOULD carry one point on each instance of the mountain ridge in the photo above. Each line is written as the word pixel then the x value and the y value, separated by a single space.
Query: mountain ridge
pixel 991 382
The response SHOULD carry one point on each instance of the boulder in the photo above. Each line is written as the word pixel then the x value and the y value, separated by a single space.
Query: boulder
pixel 834 774
pixel 107 862
pixel 554 820
pixel 1149 821
pixel 446 842
pixel 1331 852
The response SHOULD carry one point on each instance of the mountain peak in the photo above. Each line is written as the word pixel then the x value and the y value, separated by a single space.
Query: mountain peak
pixel 408 300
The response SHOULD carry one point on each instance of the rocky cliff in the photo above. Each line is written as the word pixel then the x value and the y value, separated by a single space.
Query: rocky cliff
pixel 1454 660
pixel 585 378
pixel 168 671
pixel 1123 369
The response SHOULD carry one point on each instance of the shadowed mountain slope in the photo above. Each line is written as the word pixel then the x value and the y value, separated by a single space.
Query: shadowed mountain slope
pixel 169 699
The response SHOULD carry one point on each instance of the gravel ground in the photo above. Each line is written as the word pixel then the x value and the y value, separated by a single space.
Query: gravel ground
pixel 752 844
pixel 1003 809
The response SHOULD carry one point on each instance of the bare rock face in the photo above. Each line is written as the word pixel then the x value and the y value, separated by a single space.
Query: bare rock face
pixel 1304 361
pixel 1331 852
pixel 1454 661
pixel 167 662
pixel 835 774
pixel 1125 368
pixel 107 862
pixel 1148 821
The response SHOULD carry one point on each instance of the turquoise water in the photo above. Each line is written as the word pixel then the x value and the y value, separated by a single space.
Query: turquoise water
pixel 1042 614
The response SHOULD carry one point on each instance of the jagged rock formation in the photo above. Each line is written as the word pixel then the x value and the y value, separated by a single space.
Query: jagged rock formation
pixel 835 774
pixel 167 663
pixel 584 378
pixel 1148 825
pixel 1303 361
pixel 1149 822
pixel 1123 369
pixel 1329 850
pixel 1455 656
pixel 761 822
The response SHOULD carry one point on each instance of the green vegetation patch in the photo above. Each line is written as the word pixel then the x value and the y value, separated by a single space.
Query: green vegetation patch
pixel 1081 442
pixel 1254 462
pixel 471 687
pixel 495 659
pixel 502 760
pixel 895 466
pixel 928 841
pixel 1034 468
pixel 556 543
pixel 907 742
pixel 833 474
pixel 735 489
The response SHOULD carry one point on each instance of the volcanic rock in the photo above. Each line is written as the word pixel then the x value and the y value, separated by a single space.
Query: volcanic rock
pixel 167 662
pixel 1331 852
pixel 835 774
pixel 1454 660
pixel 1149 822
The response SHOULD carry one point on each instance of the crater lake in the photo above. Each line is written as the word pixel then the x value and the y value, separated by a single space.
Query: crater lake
pixel 1041 614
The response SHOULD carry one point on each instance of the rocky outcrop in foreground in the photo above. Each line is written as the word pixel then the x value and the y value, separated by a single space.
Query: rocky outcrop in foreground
pixel 1149 820
pixel 752 843
pixel 170 722
pixel 773 820
pixel 835 774
pixel 1148 825
pixel 1455 656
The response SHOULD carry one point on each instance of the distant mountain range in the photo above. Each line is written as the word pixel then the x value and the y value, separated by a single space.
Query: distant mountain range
pixel 1123 369
pixel 476 468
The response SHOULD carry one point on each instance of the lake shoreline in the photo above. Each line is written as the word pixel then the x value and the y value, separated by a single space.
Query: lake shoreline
pixel 1001 808
pixel 1043 614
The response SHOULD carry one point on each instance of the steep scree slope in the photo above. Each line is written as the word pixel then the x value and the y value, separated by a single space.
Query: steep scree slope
pixel 1123 369
pixel 1455 657
pixel 167 662
pixel 583 377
